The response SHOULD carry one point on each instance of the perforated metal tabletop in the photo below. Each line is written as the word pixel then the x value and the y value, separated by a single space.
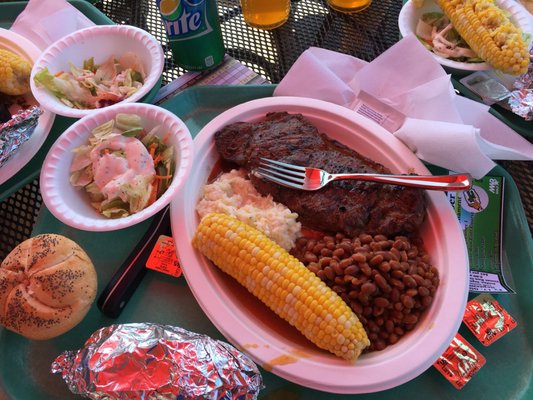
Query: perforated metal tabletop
pixel 270 54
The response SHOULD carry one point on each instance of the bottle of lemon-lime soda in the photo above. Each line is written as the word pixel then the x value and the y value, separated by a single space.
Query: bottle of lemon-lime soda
pixel 193 31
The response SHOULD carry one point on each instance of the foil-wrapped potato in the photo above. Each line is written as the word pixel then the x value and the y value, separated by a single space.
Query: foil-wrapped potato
pixel 152 361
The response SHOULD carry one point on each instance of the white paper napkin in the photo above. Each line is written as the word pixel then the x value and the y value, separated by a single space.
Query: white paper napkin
pixel 45 21
pixel 425 113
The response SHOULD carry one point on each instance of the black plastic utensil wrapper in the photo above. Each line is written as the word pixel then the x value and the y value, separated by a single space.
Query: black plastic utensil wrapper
pixel 123 283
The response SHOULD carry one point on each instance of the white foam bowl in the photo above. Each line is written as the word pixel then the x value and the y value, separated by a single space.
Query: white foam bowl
pixel 255 329
pixel 71 205
pixel 410 14
pixel 100 42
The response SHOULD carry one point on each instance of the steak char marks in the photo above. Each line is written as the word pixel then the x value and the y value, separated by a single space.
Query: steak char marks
pixel 351 207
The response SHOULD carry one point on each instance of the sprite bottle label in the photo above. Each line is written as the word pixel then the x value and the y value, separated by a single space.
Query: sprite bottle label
pixel 194 33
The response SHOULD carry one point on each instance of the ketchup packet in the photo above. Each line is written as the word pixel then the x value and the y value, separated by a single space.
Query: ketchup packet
pixel 487 319
pixel 163 257
pixel 460 362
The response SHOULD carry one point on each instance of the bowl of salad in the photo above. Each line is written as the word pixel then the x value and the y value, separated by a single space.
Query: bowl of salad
pixel 96 67
pixel 116 167
pixel 426 20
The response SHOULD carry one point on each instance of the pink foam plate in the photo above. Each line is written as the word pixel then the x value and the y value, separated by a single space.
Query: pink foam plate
pixel 272 342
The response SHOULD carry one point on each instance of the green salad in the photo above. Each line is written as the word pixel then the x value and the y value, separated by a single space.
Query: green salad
pixel 95 85
pixel 437 33
pixel 123 168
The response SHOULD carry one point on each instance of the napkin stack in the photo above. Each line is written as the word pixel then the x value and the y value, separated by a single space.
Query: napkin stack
pixel 44 22
pixel 407 92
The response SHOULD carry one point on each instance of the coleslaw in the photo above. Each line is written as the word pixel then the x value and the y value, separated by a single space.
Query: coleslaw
pixel 95 85
pixel 437 33
pixel 123 169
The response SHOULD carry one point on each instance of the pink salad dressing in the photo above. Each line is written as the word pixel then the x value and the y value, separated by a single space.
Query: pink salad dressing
pixel 112 171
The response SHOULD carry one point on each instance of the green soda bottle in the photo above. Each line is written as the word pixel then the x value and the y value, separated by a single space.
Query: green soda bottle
pixel 194 32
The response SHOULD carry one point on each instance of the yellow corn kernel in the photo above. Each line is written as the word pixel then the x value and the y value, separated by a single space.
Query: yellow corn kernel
pixel 488 31
pixel 283 283
pixel 14 74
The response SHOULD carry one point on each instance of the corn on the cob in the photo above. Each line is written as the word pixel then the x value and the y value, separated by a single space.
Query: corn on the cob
pixel 284 284
pixel 14 74
pixel 489 32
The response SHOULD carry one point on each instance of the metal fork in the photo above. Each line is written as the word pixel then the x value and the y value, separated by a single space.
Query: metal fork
pixel 307 178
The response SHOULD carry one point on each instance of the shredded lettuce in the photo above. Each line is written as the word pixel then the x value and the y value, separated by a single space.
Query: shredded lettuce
pixel 138 193
pixel 66 90
pixel 129 182
pixel 101 133
pixel 94 86
pixel 438 35
pixel 89 65
pixel 116 209
pixel 128 121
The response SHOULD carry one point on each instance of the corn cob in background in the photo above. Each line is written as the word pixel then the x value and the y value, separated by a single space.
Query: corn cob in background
pixel 14 74
pixel 283 283
pixel 489 32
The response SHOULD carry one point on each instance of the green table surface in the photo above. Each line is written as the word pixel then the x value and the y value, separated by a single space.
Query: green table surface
pixel 24 364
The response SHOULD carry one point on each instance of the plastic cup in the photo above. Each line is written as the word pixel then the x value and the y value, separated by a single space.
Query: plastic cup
pixel 265 14
pixel 349 6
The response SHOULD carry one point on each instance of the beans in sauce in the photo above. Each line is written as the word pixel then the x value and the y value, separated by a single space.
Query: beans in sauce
pixel 387 282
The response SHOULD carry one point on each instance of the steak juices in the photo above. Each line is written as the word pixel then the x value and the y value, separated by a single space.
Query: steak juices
pixel 360 238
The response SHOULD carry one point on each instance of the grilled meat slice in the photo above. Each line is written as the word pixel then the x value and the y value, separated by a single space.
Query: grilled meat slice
pixel 351 207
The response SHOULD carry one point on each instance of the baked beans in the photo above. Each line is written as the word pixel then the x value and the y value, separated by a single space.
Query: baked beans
pixel 387 282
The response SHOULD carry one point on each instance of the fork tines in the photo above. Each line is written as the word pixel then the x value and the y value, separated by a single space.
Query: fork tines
pixel 281 173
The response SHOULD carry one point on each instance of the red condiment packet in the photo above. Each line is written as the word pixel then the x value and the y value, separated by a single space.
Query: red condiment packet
pixel 460 362
pixel 487 319
pixel 163 257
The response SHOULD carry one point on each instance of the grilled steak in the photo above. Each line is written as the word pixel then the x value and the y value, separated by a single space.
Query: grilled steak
pixel 351 207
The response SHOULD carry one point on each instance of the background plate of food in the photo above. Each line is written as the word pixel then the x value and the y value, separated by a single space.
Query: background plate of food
pixel 422 16
pixel 12 104
pixel 407 334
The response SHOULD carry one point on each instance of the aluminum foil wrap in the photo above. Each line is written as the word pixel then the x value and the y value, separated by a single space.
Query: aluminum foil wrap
pixel 521 99
pixel 16 131
pixel 152 361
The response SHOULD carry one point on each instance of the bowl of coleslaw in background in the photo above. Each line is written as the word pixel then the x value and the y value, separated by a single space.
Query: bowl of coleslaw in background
pixel 120 171
pixel 411 15
pixel 96 67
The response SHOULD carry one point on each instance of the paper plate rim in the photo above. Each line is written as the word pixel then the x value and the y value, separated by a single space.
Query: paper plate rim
pixel 251 336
